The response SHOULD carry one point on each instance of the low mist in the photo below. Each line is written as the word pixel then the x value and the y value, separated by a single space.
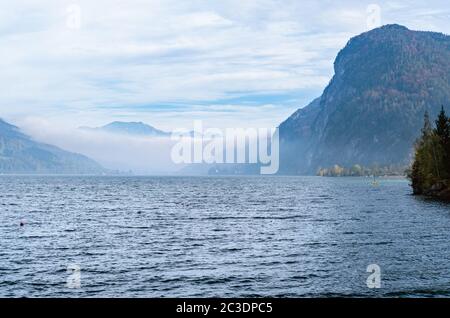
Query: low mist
pixel 126 153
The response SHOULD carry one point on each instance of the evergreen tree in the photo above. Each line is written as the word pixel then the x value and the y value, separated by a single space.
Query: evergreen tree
pixel 443 126
pixel 443 132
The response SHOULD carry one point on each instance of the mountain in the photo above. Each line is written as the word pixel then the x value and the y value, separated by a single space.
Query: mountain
pixel 130 128
pixel 372 110
pixel 20 154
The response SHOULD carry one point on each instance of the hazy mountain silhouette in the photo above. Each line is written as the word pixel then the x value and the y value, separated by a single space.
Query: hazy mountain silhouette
pixel 20 154
pixel 130 128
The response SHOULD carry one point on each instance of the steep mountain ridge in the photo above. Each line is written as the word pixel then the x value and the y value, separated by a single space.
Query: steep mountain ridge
pixel 372 110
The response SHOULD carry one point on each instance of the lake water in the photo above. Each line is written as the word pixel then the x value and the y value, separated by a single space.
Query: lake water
pixel 219 237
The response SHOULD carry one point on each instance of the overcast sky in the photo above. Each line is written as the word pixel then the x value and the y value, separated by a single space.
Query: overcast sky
pixel 232 63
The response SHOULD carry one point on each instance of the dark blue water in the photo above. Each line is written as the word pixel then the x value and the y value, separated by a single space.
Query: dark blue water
pixel 219 236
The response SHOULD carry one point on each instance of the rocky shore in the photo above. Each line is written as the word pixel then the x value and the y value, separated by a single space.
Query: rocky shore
pixel 439 190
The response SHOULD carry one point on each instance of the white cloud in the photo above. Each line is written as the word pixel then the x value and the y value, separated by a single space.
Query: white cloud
pixel 130 54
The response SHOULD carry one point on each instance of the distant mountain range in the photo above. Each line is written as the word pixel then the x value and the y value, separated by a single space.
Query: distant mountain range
pixel 136 129
pixel 20 154
pixel 372 111
pixel 129 128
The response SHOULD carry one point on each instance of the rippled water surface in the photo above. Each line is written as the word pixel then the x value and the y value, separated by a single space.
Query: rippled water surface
pixel 219 236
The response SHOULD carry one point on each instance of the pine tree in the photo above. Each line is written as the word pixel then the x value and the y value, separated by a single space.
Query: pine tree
pixel 443 126
pixel 443 132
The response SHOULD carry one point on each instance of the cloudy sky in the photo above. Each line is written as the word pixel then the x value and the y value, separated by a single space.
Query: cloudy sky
pixel 232 63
